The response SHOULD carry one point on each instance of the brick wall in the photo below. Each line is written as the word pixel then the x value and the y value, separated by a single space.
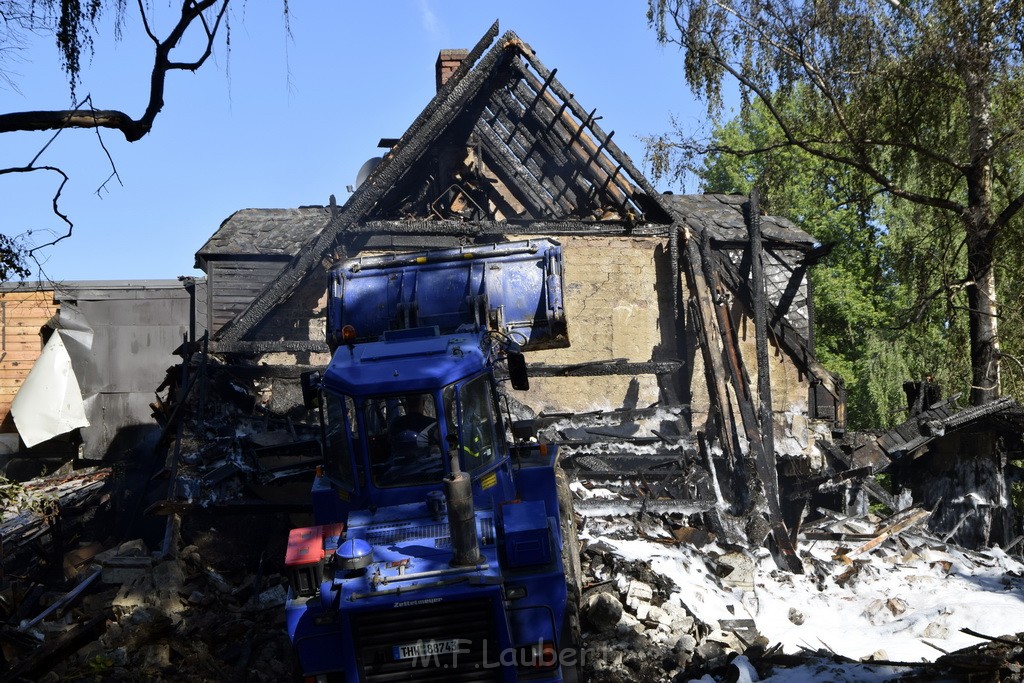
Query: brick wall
pixel 447 62
pixel 23 314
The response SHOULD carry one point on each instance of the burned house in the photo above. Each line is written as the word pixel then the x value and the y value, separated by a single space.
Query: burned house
pixel 661 291
pixel 504 151
pixel 690 319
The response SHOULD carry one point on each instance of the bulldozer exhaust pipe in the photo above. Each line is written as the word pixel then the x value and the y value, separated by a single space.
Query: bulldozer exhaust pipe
pixel 458 492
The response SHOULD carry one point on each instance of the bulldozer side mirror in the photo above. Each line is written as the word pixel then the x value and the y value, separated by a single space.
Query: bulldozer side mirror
pixel 310 381
pixel 517 370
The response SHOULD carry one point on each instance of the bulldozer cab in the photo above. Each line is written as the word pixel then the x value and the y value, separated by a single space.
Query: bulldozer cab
pixel 383 443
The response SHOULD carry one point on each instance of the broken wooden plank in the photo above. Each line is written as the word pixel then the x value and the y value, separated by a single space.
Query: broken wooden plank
pixel 815 484
pixel 68 598
pixel 816 535
pixel 757 460
pixel 910 520
pixel 49 652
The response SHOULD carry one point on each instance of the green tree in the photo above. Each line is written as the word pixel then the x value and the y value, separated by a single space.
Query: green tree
pixel 886 310
pixel 74 25
pixel 853 291
pixel 923 101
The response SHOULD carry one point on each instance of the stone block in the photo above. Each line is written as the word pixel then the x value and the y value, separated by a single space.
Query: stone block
pixel 601 610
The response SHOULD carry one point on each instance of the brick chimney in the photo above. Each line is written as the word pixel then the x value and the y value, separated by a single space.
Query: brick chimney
pixel 447 62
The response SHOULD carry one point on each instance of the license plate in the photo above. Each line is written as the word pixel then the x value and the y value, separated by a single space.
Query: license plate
pixel 426 648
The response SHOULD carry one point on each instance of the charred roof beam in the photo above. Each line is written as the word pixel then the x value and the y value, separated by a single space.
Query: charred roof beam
pixel 536 99
pixel 587 142
pixel 634 175
pixel 535 150
pixel 782 330
pixel 772 244
pixel 571 135
pixel 528 189
pixel 507 227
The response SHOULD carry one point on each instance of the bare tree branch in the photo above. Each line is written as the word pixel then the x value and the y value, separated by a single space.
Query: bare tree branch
pixel 145 24
pixel 132 129
pixel 55 201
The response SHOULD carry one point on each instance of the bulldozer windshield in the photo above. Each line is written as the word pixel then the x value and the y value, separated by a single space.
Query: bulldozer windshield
pixel 404 440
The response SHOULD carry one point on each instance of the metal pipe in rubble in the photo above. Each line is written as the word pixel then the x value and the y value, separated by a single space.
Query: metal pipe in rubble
pixel 458 492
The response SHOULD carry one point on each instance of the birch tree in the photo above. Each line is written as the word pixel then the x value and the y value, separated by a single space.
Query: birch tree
pixel 923 99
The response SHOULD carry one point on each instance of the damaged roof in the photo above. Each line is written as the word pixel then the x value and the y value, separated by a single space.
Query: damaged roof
pixel 273 233
pixel 502 148
pixel 543 157
pixel 723 215
pixel 910 438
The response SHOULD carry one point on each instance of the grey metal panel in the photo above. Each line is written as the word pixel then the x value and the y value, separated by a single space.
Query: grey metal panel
pixel 202 308
pixel 133 344
pixel 138 357
pixel 134 336
pixel 121 426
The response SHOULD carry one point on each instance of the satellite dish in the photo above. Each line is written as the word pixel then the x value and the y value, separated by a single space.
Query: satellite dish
pixel 366 169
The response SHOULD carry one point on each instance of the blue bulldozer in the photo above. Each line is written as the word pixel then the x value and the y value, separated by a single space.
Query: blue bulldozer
pixel 442 549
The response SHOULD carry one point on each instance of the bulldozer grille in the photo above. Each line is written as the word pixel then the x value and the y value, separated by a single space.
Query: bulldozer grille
pixel 380 635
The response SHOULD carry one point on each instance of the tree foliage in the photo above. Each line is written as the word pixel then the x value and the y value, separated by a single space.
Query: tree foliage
pixel 887 308
pixel 921 102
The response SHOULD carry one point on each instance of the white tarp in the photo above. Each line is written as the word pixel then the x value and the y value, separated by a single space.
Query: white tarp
pixel 49 403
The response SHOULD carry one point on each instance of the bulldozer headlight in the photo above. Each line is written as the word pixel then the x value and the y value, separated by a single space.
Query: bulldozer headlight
pixel 348 334
pixel 515 592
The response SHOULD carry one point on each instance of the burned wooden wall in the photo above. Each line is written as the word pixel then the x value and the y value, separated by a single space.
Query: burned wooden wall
pixel 248 252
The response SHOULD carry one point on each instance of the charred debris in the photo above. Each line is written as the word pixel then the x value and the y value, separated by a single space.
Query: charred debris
pixel 200 598
pixel 171 566
pixel 84 596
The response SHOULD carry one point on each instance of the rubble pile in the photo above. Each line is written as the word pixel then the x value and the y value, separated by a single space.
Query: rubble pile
pixel 635 627
pixel 638 625
pixel 134 614
pixel 880 599
pixel 663 600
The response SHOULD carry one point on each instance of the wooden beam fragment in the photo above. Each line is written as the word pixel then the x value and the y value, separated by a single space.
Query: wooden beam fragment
pixel 910 520
pixel 46 654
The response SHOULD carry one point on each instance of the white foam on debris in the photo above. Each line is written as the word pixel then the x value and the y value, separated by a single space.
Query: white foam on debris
pixel 904 608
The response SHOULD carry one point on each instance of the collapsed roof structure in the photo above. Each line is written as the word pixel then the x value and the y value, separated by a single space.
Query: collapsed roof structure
pixel 660 295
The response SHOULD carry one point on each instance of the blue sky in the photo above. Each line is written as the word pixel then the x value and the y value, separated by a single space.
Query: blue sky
pixel 287 122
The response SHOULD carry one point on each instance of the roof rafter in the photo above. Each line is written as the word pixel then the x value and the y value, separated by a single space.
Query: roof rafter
pixel 518 124
pixel 459 89
pixel 530 191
